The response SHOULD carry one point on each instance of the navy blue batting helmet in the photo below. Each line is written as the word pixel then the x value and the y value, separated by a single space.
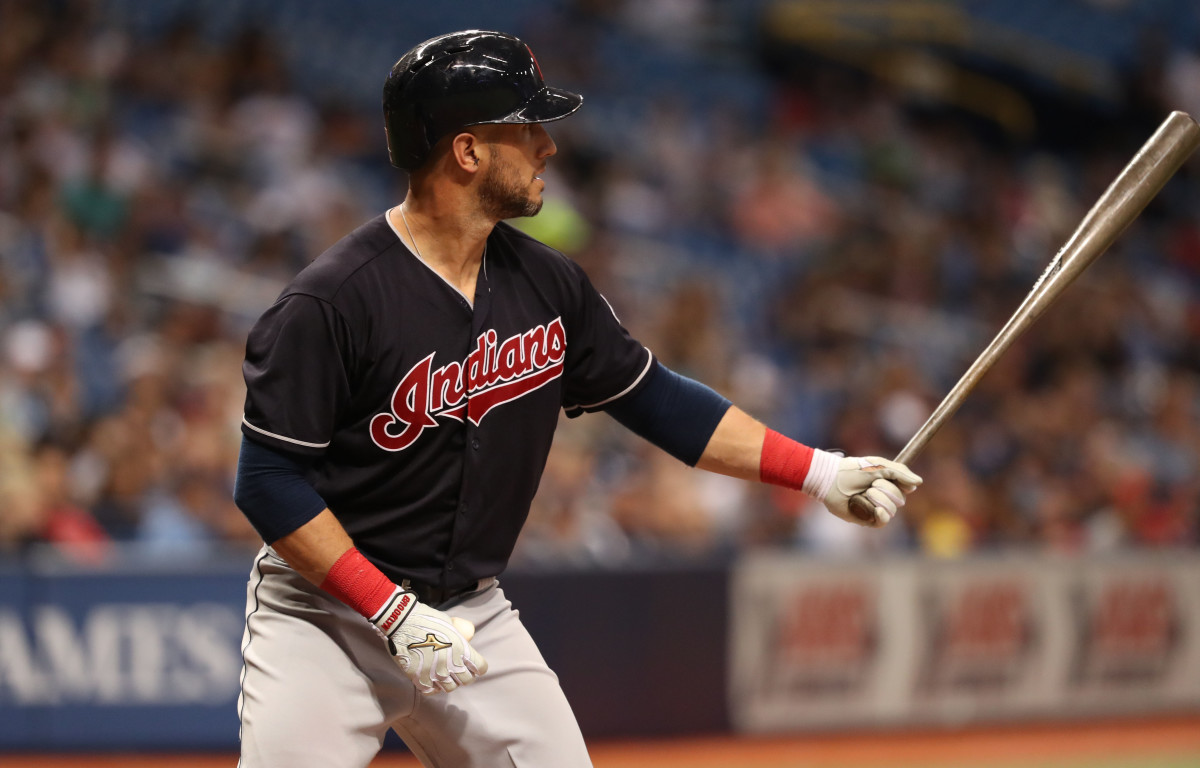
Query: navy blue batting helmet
pixel 461 79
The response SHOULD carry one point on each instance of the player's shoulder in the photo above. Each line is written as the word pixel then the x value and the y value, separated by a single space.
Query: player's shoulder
pixel 354 258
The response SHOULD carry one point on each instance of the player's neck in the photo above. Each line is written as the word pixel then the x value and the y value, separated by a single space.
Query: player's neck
pixel 448 242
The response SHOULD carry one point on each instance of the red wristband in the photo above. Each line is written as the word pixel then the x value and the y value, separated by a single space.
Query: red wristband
pixel 784 461
pixel 358 583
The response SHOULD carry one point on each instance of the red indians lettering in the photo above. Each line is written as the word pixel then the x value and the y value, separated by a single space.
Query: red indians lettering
pixel 493 374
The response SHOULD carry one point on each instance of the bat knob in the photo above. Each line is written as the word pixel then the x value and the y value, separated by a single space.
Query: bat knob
pixel 862 508
pixel 464 627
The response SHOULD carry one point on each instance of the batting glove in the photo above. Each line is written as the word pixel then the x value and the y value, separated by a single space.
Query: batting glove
pixel 834 480
pixel 432 648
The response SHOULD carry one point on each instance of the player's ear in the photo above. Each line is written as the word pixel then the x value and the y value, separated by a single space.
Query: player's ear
pixel 465 149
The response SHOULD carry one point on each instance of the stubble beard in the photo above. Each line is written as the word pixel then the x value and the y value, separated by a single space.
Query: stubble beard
pixel 502 197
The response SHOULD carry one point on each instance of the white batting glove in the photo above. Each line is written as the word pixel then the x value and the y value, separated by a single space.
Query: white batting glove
pixel 834 480
pixel 432 647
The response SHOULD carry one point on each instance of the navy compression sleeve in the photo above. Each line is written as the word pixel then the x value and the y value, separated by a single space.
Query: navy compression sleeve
pixel 272 491
pixel 673 412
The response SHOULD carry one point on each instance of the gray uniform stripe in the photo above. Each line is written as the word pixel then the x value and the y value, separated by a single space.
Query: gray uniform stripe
pixel 250 611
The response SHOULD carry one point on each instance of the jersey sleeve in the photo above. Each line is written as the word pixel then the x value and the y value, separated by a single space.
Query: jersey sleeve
pixel 604 363
pixel 298 356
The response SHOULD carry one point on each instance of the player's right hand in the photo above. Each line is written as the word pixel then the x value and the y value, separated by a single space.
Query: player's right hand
pixel 432 648
pixel 883 482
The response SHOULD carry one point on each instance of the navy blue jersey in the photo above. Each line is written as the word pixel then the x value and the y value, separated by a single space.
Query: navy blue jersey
pixel 430 420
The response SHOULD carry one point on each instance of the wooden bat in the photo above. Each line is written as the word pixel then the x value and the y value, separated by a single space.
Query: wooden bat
pixel 1156 162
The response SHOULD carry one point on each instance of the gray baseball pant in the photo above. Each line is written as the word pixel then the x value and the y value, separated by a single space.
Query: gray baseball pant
pixel 320 689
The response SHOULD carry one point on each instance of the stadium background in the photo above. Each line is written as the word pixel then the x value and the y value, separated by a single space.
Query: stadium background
pixel 741 176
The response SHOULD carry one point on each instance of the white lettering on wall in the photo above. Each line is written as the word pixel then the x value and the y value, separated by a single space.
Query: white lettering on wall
pixel 121 654
pixel 18 678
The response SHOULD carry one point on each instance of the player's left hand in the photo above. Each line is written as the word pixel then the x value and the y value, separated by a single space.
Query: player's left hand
pixel 430 646
pixel 883 482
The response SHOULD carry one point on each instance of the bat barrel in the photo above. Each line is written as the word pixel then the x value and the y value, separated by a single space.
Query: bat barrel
pixel 1150 169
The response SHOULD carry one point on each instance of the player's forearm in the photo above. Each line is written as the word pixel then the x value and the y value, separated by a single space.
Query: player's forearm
pixel 735 448
pixel 314 547
pixel 745 448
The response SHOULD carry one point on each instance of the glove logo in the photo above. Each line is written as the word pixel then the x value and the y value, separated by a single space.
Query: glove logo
pixel 431 641
pixel 496 372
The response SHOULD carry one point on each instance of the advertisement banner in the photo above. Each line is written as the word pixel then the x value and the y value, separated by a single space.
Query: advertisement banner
pixel 89 660
pixel 991 641
pixel 1137 636
pixel 816 642
pixel 820 644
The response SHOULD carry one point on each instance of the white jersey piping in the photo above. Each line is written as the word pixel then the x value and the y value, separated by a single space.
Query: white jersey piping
pixel 623 392
pixel 281 437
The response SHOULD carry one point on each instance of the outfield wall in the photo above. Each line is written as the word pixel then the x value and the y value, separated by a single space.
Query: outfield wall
pixel 149 658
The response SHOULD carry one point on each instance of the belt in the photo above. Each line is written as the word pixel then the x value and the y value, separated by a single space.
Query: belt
pixel 434 596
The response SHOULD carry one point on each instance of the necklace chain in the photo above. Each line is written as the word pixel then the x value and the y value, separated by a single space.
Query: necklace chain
pixel 408 229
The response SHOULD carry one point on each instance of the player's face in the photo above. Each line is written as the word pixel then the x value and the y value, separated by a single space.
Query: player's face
pixel 511 184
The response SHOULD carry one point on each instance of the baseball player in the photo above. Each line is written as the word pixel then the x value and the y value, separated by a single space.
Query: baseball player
pixel 402 394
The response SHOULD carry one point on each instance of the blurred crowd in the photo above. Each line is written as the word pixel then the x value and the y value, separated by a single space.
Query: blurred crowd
pixel 831 261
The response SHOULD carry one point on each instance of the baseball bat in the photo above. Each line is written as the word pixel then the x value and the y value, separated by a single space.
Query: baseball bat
pixel 1156 162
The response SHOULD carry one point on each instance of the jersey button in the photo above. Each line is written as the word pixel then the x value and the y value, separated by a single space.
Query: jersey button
pixel 449 566
pixel 475 444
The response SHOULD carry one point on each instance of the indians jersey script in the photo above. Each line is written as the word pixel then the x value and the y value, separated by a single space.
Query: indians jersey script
pixel 431 419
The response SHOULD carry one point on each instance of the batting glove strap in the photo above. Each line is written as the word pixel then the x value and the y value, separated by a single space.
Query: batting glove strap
pixel 821 472
pixel 427 646
pixel 394 611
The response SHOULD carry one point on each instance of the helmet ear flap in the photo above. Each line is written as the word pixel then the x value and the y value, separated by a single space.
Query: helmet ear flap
pixel 407 141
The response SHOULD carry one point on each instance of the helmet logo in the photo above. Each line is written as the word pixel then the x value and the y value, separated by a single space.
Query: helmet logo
pixel 536 66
